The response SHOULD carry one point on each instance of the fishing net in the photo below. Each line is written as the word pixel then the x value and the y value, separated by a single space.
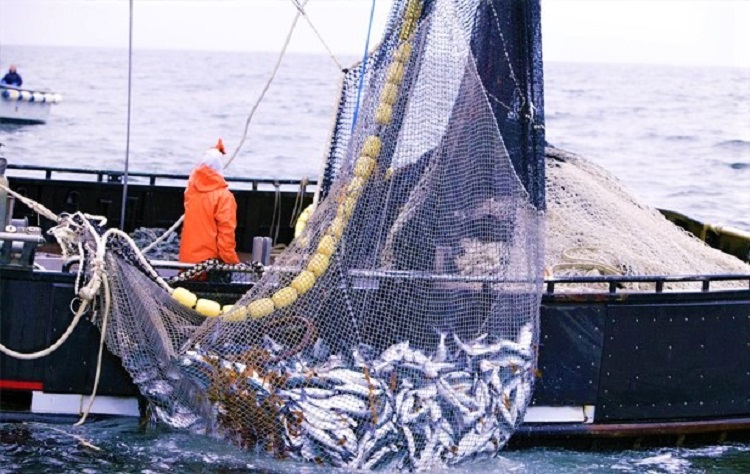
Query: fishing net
pixel 399 329
pixel 596 227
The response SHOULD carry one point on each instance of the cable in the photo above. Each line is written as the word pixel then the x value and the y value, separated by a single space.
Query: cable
pixel 364 66
pixel 247 122
pixel 315 30
pixel 268 84
pixel 127 138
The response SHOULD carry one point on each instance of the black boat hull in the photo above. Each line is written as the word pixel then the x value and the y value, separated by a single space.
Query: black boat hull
pixel 613 366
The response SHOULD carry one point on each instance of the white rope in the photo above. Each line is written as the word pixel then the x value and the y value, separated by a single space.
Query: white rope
pixel 89 291
pixel 300 12
pixel 105 318
pixel 315 30
pixel 163 236
pixel 33 205
pixel 80 439
pixel 139 255
pixel 268 84
pixel 83 293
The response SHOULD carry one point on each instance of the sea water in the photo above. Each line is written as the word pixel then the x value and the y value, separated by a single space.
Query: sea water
pixel 678 138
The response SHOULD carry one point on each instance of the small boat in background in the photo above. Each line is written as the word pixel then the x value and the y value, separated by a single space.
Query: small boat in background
pixel 25 106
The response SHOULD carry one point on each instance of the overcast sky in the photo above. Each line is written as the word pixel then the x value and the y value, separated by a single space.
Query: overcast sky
pixel 708 32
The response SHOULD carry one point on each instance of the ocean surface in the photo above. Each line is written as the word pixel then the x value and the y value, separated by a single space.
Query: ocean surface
pixel 678 138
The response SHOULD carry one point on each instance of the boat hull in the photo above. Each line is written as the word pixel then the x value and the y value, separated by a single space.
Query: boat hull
pixel 22 111
pixel 613 367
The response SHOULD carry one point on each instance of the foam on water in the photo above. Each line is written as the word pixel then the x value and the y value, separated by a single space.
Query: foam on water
pixel 121 446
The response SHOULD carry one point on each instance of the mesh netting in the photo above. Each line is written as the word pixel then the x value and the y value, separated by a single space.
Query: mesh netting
pixel 399 329
pixel 596 227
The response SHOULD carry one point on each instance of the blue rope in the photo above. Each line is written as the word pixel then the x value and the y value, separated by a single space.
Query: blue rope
pixel 364 66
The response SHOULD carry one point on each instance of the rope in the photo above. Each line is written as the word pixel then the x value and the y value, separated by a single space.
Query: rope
pixel 215 264
pixel 89 291
pixel 300 12
pixel 584 264
pixel 33 205
pixel 80 439
pixel 49 350
pixel 297 209
pixel 315 30
pixel 276 217
pixel 139 255
pixel 105 318
pixel 327 153
pixel 127 135
pixel 268 84
pixel 163 236
pixel 364 66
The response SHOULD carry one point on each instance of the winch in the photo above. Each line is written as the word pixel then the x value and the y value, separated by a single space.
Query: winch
pixel 18 240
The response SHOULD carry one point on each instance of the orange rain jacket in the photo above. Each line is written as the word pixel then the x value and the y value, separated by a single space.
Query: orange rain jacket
pixel 210 219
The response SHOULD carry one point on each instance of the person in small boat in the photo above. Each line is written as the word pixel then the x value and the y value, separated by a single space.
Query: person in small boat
pixel 12 78
pixel 210 212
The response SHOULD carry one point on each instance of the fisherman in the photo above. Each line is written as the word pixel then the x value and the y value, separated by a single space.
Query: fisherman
pixel 210 212
pixel 12 78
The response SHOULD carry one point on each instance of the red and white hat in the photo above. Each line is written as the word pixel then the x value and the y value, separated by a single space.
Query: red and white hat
pixel 213 157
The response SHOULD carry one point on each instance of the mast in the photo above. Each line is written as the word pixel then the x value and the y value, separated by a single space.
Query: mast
pixel 127 140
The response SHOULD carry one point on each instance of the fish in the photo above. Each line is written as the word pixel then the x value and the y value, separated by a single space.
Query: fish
pixel 344 403
pixel 380 455
pixel 412 409
pixel 176 420
pixel 144 376
pixel 441 353
pixel 473 443
pixel 430 454
pixel 395 353
pixel 410 446
pixel 429 368
pixel 363 354
pixel 475 349
pixel 320 350
pixel 526 335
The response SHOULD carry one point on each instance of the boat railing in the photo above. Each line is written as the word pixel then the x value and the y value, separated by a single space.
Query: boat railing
pixel 613 282
pixel 113 176
pixel 617 283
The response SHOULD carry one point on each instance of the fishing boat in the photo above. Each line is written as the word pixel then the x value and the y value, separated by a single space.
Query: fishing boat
pixel 26 106
pixel 622 355
pixel 616 367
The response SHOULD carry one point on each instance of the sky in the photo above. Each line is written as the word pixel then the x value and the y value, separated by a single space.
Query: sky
pixel 683 32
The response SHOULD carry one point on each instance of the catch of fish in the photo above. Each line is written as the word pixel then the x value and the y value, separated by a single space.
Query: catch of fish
pixel 401 409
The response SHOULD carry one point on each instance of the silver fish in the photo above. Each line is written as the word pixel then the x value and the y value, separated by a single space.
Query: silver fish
pixel 472 444
pixel 410 446
pixel 344 403
pixel 441 354
pixel 380 455
pixel 416 357
pixel 395 353
pixel 431 453
pixel 320 350
pixel 476 349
